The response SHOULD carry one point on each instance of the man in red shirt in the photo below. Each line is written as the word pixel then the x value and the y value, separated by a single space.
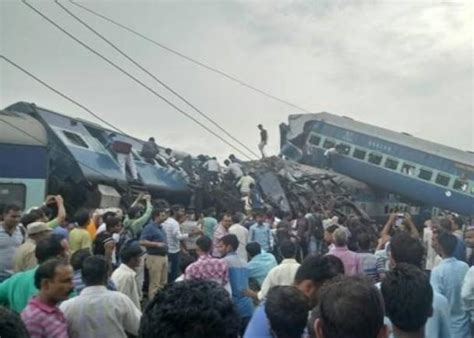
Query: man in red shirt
pixel 42 316
pixel 207 267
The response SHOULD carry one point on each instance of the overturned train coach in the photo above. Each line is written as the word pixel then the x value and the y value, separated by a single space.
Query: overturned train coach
pixel 421 173
pixel 43 152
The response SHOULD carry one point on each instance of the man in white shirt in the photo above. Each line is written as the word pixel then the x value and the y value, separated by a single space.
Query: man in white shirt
pixel 213 169
pixel 242 235
pixel 124 277
pixel 98 312
pixel 174 236
pixel 235 169
pixel 283 274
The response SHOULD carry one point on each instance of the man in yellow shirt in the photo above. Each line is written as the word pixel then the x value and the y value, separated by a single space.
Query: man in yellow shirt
pixel 79 237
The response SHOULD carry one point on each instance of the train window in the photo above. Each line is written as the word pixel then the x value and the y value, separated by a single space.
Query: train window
pixel 328 144
pixel 359 153
pixel 408 169
pixel 75 139
pixel 343 148
pixel 425 174
pixel 442 180
pixel 315 140
pixel 460 185
pixel 13 193
pixel 375 158
pixel 391 164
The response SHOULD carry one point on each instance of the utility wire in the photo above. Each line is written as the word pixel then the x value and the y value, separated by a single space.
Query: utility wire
pixel 190 59
pixel 61 94
pixel 133 78
pixel 154 77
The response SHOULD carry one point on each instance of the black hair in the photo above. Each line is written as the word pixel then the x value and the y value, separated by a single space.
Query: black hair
pixel 156 212
pixel 236 218
pixel 47 270
pixel 190 309
pixel 130 251
pixel 134 211
pixel 350 307
pixel 185 261
pixel 448 243
pixel 82 217
pixel 112 221
pixel 287 309
pixel 151 139
pixel 204 243
pixel 176 208
pixel 49 248
pixel 108 214
pixel 253 249
pixel 363 241
pixel 226 162
pixel 332 228
pixel 231 240
pixel 458 220
pixel 406 249
pixel 446 225
pixel 287 249
pixel 209 211
pixel 408 297
pixel 11 325
pixel 78 258
pixel 11 207
pixel 95 270
pixel 31 217
pixel 319 269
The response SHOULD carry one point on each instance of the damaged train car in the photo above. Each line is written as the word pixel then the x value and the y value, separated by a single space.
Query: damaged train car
pixel 420 172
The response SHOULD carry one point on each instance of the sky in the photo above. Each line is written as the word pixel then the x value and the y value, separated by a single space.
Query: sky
pixel 402 65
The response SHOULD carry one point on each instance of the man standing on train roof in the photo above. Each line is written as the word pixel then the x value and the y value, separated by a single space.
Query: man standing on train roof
pixel 123 152
pixel 150 150
pixel 263 140
pixel 234 159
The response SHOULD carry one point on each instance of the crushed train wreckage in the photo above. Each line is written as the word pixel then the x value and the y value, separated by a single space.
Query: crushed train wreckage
pixel 287 188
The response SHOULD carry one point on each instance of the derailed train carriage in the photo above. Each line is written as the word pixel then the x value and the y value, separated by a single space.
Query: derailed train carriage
pixel 44 152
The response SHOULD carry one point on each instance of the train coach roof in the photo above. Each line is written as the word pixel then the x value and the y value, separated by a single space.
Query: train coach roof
pixel 21 129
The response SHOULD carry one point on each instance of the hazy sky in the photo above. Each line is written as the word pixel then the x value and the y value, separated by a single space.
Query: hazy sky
pixel 403 65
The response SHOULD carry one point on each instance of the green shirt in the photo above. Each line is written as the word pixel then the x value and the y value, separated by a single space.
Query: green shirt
pixel 136 225
pixel 209 225
pixel 16 291
pixel 79 238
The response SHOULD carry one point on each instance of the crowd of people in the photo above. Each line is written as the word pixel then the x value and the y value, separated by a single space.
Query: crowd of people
pixel 166 271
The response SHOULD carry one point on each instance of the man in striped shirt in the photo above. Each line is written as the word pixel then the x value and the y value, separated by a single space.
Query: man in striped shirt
pixel 42 317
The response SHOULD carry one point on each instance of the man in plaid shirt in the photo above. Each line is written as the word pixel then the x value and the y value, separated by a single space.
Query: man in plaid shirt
pixel 207 267
pixel 42 317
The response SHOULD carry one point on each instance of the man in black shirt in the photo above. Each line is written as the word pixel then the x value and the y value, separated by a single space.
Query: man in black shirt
pixel 104 243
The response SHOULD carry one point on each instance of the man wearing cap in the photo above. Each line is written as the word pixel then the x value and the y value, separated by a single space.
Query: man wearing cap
pixel 124 277
pixel 25 258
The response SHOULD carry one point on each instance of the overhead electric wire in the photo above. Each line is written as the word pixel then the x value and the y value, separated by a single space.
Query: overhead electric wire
pixel 190 59
pixel 154 77
pixel 134 78
pixel 61 94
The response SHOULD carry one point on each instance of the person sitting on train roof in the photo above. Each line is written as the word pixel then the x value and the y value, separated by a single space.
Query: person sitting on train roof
pixel 123 153
pixel 150 150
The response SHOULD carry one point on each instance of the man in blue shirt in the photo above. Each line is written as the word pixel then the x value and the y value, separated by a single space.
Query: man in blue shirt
pixel 261 233
pixel 447 278
pixel 153 238
pixel 310 277
pixel 260 263
pixel 238 277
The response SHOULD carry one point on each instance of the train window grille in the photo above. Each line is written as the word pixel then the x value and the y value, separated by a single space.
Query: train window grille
pixel 408 169
pixel 328 144
pixel 75 139
pixel 343 149
pixel 359 154
pixel 391 164
pixel 460 185
pixel 375 158
pixel 442 180
pixel 425 174
pixel 315 140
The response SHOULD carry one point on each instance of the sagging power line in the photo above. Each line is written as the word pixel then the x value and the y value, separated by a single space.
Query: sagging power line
pixel 83 44
pixel 153 76
pixel 190 59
